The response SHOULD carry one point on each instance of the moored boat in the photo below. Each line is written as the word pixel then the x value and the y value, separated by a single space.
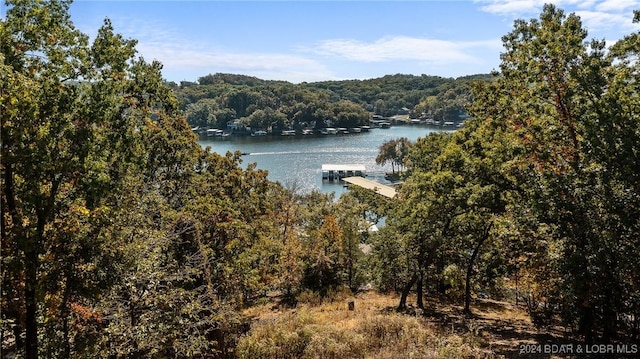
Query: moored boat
pixel 214 132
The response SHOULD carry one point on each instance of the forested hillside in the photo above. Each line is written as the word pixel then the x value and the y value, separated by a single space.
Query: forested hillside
pixel 123 238
pixel 218 98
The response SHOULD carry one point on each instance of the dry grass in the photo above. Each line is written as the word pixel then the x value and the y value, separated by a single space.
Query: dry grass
pixel 373 330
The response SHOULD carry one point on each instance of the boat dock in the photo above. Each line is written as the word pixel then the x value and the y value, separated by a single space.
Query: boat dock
pixel 337 172
pixel 377 187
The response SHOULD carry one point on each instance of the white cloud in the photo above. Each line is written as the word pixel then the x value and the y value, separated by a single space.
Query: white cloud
pixel 185 58
pixel 586 4
pixel 201 61
pixel 403 48
pixel 610 19
pixel 617 5
pixel 511 7
pixel 597 21
pixel 527 7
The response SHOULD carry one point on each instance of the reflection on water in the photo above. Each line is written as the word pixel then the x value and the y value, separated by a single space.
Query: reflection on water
pixel 299 159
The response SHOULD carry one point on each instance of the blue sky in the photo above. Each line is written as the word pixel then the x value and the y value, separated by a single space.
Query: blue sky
pixel 332 40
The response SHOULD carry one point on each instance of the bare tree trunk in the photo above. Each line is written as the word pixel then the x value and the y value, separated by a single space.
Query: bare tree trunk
pixel 31 306
pixel 516 288
pixel 8 205
pixel 472 260
pixel 65 316
pixel 419 301
pixel 585 326
pixel 405 292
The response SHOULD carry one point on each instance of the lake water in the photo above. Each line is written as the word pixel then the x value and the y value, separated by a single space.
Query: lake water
pixel 299 159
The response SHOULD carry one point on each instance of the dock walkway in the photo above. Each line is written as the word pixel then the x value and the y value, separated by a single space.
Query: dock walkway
pixel 377 187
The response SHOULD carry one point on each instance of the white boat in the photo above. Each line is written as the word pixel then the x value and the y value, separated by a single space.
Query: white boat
pixel 330 131
pixel 288 133
pixel 259 133
pixel 214 132
pixel 307 132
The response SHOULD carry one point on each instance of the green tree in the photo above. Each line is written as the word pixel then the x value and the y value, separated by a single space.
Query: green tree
pixel 202 113
pixel 567 105
pixel 553 80
pixel 51 161
pixel 86 129
pixel 348 114
pixel 352 220
pixel 457 191
pixel 266 118
pixel 416 220
pixel 394 152
pixel 324 249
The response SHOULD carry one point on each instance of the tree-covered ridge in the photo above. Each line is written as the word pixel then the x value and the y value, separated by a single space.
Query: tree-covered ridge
pixel 218 98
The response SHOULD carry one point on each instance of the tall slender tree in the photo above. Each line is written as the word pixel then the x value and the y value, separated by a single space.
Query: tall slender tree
pixel 82 126
pixel 562 99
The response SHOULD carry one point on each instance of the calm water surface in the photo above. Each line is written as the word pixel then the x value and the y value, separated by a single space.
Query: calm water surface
pixel 299 159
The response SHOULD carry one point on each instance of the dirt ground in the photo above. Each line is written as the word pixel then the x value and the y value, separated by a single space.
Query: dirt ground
pixel 505 330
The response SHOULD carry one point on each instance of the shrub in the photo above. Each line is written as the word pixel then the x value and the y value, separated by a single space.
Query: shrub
pixel 285 338
pixel 309 297
pixel 332 342
pixel 339 294
pixel 393 331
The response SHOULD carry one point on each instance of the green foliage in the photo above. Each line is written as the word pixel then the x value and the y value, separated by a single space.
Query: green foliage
pixel 278 105
pixel 449 203
pixel 372 207
pixel 388 262
pixel 569 178
pixel 323 256
pixel 203 114
pixel 388 95
pixel 78 127
pixel 122 237
pixel 453 277
pixel 119 236
pixel 394 152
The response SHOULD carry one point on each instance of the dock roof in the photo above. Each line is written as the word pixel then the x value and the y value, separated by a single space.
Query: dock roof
pixel 330 167
pixel 377 187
